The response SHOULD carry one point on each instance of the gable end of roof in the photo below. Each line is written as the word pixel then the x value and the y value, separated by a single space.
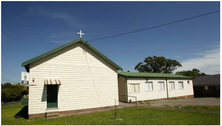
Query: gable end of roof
pixel 26 63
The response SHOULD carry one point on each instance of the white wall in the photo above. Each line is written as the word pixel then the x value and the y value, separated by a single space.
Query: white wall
pixel 156 93
pixel 87 80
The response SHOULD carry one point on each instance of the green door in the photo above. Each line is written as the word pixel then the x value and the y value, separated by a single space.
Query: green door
pixel 52 96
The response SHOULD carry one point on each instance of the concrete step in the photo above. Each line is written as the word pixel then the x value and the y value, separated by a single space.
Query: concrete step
pixel 51 115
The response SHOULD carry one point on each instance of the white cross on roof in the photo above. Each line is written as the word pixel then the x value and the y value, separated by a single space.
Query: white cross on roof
pixel 80 33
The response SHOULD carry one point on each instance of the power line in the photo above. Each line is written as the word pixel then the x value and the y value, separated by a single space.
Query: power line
pixel 90 72
pixel 8 70
pixel 155 26
pixel 10 73
pixel 8 80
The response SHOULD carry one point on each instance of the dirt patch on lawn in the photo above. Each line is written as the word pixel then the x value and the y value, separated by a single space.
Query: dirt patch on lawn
pixel 184 102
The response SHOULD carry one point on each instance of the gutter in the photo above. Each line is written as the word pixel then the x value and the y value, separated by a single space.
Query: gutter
pixel 188 78
pixel 126 90
pixel 167 90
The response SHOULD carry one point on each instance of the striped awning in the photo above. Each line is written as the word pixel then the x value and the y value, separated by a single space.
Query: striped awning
pixel 52 82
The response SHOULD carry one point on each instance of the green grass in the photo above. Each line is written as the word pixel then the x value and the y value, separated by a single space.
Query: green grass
pixel 16 115
pixel 167 106
pixel 201 107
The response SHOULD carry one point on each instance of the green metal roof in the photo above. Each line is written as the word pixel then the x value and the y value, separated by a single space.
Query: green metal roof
pixel 152 75
pixel 26 63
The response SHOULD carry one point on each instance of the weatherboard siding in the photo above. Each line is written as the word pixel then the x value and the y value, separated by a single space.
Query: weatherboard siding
pixel 156 93
pixel 87 80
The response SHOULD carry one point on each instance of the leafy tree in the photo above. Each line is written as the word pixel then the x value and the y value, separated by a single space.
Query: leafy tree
pixel 192 73
pixel 13 92
pixel 6 85
pixel 157 64
pixel 22 88
pixel 6 94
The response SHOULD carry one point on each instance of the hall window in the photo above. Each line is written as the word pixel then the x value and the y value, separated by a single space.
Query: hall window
pixel 161 86
pixel 134 88
pixel 148 86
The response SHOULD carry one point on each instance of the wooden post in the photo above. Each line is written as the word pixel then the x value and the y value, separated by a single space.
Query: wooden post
pixel 136 101
pixel 115 110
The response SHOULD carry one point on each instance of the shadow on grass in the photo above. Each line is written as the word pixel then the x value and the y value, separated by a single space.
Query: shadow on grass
pixel 23 113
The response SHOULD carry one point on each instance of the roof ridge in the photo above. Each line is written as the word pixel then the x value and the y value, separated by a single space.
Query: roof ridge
pixel 158 75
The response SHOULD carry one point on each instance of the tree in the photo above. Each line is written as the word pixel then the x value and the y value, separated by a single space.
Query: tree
pixel 6 85
pixel 13 92
pixel 157 64
pixel 192 73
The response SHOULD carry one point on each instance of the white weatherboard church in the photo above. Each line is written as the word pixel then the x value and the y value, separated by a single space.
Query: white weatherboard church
pixel 72 78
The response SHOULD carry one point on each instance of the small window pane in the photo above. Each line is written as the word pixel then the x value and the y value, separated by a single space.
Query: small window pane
pixel 206 87
pixel 160 87
pixel 132 88
pixel 151 86
pixel 146 86
pixel 136 87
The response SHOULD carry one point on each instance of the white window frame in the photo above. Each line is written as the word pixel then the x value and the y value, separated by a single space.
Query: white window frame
pixel 179 87
pixel 162 87
pixel 134 87
pixel 171 84
pixel 147 84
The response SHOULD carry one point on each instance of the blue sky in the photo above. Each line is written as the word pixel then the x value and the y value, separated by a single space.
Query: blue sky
pixel 32 28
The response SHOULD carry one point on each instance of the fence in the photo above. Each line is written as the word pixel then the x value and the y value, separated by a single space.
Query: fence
pixel 24 101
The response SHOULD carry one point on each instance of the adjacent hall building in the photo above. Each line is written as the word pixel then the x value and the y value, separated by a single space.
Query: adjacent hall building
pixel 152 86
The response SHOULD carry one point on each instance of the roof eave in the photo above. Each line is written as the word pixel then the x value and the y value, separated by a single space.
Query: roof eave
pixel 129 76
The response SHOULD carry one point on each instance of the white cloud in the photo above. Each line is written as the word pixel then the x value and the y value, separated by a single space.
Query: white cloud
pixel 62 37
pixel 7 38
pixel 20 20
pixel 208 63
pixel 58 15
pixel 63 34
pixel 60 41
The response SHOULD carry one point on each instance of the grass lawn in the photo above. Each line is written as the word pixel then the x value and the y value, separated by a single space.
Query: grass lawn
pixel 16 115
pixel 201 107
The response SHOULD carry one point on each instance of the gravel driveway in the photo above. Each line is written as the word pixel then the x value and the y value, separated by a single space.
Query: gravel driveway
pixel 184 102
